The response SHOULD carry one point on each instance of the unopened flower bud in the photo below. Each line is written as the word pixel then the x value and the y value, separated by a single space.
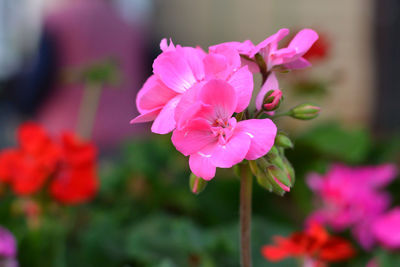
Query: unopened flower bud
pixel 289 170
pixel 258 169
pixel 282 140
pixel 271 177
pixel 197 184
pixel 272 100
pixel 280 177
pixel 274 157
pixel 305 112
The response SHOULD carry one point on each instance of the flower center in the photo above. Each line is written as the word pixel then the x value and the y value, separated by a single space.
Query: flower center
pixel 223 129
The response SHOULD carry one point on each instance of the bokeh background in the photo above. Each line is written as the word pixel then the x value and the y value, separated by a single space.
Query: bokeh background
pixel 145 214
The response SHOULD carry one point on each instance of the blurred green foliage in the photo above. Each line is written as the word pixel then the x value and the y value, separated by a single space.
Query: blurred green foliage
pixel 146 215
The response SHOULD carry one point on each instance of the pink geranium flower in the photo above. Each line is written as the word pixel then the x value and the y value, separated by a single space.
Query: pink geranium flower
pixel 350 198
pixel 179 69
pixel 290 57
pixel 211 137
pixel 386 229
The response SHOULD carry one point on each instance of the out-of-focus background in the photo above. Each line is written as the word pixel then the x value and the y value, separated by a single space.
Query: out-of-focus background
pixel 51 52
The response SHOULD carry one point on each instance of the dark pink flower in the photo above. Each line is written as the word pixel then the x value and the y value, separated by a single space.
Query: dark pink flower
pixel 350 198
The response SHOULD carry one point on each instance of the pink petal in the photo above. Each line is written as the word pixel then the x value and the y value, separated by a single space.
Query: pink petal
pixel 216 67
pixel 233 152
pixel 271 40
pixel 196 135
pixel 386 229
pixel 282 56
pixel 243 48
pixel 165 121
pixel 194 57
pixel 188 105
pixel 253 67
pixel 303 41
pixel 231 55
pixel 154 94
pixel 145 117
pixel 173 69
pixel 164 45
pixel 380 175
pixel 262 133
pixel 270 84
pixel 315 182
pixel 201 166
pixel 242 81
pixel 299 63
pixel 221 96
pixel 362 232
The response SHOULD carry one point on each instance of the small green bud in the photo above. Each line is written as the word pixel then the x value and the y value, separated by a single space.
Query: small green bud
pixel 272 100
pixel 283 141
pixel 274 157
pixel 265 174
pixel 305 112
pixel 280 177
pixel 197 184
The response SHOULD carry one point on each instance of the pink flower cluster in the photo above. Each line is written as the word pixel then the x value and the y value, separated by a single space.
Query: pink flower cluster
pixel 353 198
pixel 195 94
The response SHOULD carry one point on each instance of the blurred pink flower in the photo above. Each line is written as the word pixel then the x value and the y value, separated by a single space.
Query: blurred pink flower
pixel 386 229
pixel 212 138
pixel 350 198
pixel 179 69
pixel 8 247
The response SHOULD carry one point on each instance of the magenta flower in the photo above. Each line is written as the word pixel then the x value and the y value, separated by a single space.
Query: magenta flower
pixel 350 198
pixel 179 69
pixel 8 249
pixel 212 138
pixel 386 229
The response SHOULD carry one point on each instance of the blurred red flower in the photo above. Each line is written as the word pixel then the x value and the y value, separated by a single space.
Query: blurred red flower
pixel 69 168
pixel 314 245
pixel 76 179
pixel 319 50
pixel 29 166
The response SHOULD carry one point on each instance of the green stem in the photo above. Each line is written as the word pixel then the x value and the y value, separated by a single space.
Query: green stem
pixel 281 114
pixel 245 215
pixel 88 109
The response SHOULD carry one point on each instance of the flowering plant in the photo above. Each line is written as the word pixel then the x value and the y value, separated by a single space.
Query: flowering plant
pixel 204 100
